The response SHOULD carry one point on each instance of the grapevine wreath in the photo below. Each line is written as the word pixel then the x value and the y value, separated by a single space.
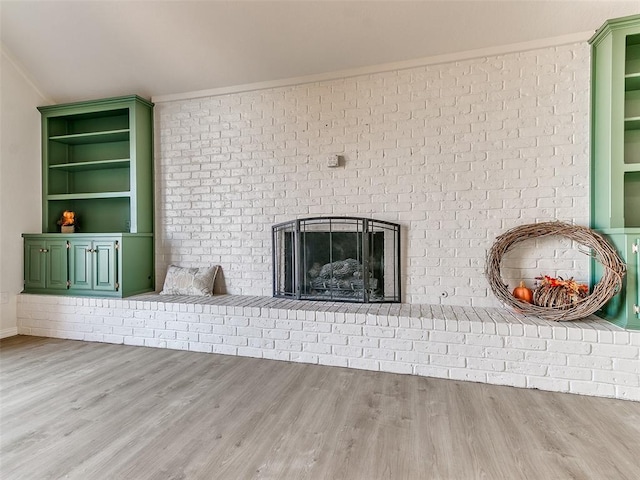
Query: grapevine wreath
pixel 608 286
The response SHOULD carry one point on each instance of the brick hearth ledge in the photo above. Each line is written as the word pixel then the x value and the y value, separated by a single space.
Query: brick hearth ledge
pixel 489 345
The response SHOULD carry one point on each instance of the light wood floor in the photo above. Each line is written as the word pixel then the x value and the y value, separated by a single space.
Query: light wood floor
pixel 95 411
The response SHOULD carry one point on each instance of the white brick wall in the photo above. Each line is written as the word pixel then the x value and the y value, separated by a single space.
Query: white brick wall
pixel 455 153
pixel 591 357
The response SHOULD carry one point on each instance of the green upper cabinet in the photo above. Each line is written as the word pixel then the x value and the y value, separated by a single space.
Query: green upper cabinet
pixel 97 161
pixel 615 136
pixel 615 156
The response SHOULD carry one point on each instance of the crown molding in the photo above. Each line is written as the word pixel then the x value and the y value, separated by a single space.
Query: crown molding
pixel 386 67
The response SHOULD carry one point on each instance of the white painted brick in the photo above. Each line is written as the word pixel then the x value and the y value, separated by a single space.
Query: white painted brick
pixel 552 384
pixel 155 343
pixel 526 343
pixel 412 357
pixel 224 349
pixel 275 334
pixel 396 345
pixel 182 326
pixel 235 340
pixel 579 348
pixel 627 393
pixel 364 364
pixel 253 352
pixel 510 379
pixel 431 371
pixel 304 357
pixel 615 351
pixel 187 336
pixel 484 340
pixel 210 338
pixel 428 347
pixel 617 378
pixel 316 327
pixel 447 361
pixel 527 369
pixel 143 332
pixel 200 347
pixel 276 354
pixel 465 350
pixel 177 345
pixel 396 367
pixel 591 388
pixel 447 337
pixel 346 351
pixel 545 358
pixel 378 354
pixel 333 339
pixel 317 348
pixel 333 361
pixel 625 365
pixel 347 329
pixel 526 119
pixel 505 354
pixel 468 375
pixel 410 334
pixel 571 373
pixel 262 343
pixel 487 365
pixel 137 341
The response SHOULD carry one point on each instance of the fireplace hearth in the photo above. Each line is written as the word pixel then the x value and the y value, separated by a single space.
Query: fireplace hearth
pixel 346 259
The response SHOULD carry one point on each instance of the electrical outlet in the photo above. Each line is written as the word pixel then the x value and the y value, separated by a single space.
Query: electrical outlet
pixel 333 161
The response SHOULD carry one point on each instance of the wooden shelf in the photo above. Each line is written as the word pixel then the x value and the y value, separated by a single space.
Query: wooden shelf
pixel 92 137
pixel 94 165
pixel 632 82
pixel 632 123
pixel 87 196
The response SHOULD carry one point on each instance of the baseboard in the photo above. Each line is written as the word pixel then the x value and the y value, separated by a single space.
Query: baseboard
pixel 8 332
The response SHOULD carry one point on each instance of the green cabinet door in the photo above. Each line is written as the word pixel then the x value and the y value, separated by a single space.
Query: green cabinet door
pixel 623 308
pixel 635 249
pixel 57 260
pixel 105 273
pixel 93 265
pixel 45 264
pixel 34 264
pixel 80 264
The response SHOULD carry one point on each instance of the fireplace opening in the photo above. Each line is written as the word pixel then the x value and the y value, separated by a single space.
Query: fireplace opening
pixel 345 259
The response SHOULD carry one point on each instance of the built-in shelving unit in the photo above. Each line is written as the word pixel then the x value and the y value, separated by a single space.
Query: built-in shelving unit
pixel 96 161
pixel 615 155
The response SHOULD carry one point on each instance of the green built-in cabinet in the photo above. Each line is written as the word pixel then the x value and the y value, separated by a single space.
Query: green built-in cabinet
pixel 97 161
pixel 615 154
pixel 93 264
pixel 623 309
pixel 45 264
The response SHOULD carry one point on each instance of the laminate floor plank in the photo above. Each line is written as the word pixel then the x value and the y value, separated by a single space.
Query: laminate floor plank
pixel 80 410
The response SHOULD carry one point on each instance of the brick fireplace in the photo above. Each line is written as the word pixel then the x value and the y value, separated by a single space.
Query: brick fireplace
pixel 344 259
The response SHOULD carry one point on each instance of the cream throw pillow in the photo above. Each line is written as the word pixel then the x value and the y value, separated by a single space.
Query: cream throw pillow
pixel 189 281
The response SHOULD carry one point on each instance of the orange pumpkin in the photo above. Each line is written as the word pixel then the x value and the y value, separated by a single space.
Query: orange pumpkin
pixel 523 293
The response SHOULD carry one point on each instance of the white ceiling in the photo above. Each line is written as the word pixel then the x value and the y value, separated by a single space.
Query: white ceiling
pixel 90 49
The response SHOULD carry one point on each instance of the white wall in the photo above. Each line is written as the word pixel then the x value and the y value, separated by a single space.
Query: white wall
pixel 20 177
pixel 456 153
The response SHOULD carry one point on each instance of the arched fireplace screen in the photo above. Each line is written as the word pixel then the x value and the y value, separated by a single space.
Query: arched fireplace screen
pixel 337 259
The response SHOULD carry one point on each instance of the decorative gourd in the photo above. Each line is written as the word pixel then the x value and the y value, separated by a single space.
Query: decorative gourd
pixel 521 292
